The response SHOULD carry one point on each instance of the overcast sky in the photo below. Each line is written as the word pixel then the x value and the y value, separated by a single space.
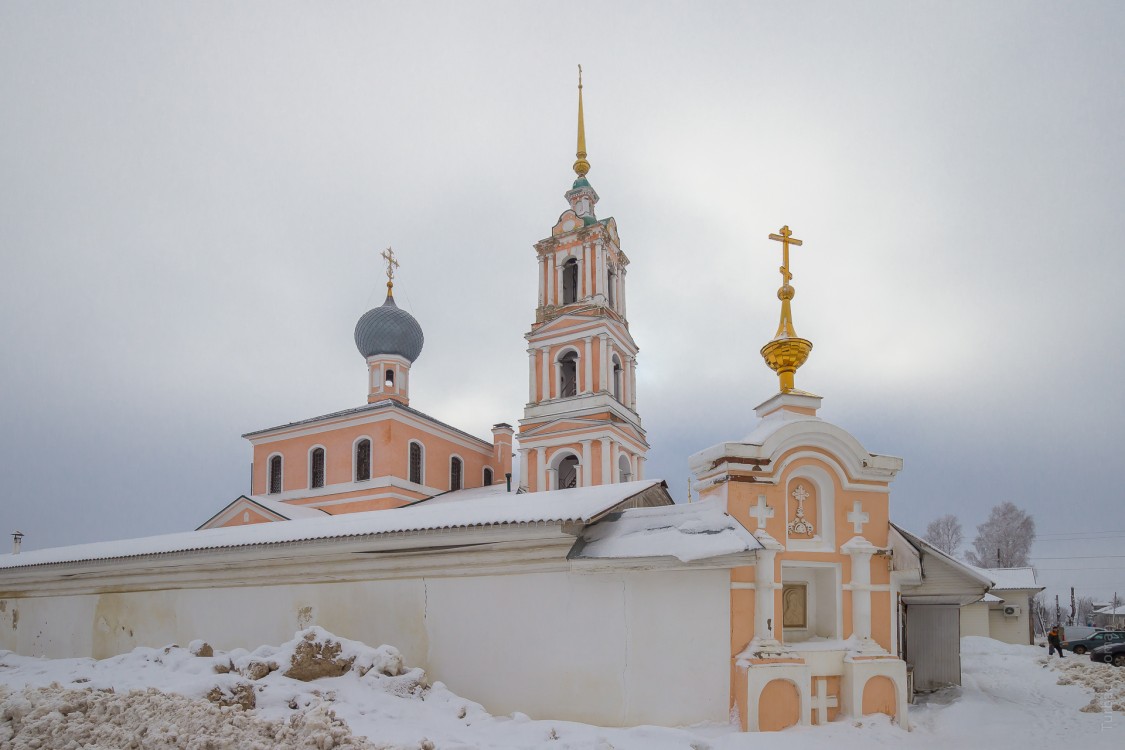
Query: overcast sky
pixel 193 197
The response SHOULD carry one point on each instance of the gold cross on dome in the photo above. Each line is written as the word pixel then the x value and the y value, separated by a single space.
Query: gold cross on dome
pixel 389 256
pixel 786 239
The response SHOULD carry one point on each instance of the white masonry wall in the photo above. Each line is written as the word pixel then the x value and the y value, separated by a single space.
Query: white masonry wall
pixel 611 648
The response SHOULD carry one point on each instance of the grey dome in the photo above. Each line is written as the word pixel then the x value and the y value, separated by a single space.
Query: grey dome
pixel 389 330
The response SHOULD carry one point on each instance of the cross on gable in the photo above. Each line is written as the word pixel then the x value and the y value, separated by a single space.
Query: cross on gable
pixel 762 512
pixel 858 517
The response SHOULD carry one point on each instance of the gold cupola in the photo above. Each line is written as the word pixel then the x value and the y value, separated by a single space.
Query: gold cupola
pixel 787 351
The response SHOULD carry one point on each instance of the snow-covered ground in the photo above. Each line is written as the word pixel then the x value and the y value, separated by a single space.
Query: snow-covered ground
pixel 1012 697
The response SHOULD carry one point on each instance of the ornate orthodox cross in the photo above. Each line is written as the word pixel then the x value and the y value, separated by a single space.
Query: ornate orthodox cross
pixel 786 239
pixel 800 524
pixel 388 255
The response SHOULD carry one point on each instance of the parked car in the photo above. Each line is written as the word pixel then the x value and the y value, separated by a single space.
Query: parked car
pixel 1078 632
pixel 1082 645
pixel 1111 653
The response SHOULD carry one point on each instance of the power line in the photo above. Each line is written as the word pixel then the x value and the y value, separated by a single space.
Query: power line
pixel 1078 557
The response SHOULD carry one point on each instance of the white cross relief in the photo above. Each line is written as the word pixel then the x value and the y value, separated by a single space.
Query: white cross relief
pixel 858 517
pixel 822 701
pixel 762 512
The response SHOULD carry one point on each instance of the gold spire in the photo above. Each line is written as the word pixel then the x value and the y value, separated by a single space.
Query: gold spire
pixel 786 352
pixel 581 166
pixel 388 256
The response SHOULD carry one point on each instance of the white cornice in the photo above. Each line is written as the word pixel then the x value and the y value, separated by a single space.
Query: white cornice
pixel 479 445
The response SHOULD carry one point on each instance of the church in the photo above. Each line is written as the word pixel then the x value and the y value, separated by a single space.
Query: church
pixel 571 588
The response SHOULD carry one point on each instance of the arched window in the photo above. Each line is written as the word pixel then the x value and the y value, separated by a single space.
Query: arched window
pixel 455 467
pixel 363 460
pixel 316 468
pixel 416 474
pixel 568 374
pixel 487 477
pixel 389 379
pixel 570 281
pixel 275 475
pixel 624 469
pixel 617 373
pixel 568 473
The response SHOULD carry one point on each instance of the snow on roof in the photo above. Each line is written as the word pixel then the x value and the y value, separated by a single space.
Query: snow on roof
pixel 1012 578
pixel 1110 610
pixel 497 509
pixel 688 532
pixel 921 544
pixel 288 510
pixel 991 599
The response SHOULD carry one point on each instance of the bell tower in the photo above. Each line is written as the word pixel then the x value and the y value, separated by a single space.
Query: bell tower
pixel 580 426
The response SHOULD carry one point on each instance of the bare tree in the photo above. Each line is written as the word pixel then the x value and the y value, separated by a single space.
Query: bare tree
pixel 1085 610
pixel 1004 540
pixel 945 534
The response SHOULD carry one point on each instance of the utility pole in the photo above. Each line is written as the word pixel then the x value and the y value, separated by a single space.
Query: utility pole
pixel 1073 610
pixel 1058 615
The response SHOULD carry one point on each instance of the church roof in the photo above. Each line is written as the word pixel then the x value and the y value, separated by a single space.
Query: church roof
pixel 582 505
pixel 377 406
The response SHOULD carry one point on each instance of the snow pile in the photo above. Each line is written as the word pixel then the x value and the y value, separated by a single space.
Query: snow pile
pixel 1107 682
pixel 58 718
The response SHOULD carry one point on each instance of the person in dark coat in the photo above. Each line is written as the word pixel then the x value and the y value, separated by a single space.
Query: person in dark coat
pixel 1054 643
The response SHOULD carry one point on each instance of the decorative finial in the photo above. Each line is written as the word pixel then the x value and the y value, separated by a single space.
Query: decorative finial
pixel 581 166
pixel 786 352
pixel 388 256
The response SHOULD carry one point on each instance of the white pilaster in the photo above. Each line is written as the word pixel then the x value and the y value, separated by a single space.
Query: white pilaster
pixel 641 467
pixel 607 475
pixel 588 356
pixel 545 375
pixel 765 622
pixel 552 479
pixel 615 469
pixel 587 464
pixel 633 383
pixel 530 378
pixel 542 280
pixel 549 278
pixel 860 550
pixel 540 469
pixel 603 364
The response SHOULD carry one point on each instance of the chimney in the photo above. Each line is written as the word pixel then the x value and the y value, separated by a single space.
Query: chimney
pixel 16 539
pixel 502 434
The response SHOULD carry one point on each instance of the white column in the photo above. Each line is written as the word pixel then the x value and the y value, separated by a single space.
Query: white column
pixel 587 464
pixel 523 469
pixel 860 550
pixel 545 376
pixel 626 382
pixel 552 479
pixel 530 377
pixel 599 268
pixel 540 469
pixel 607 476
pixel 633 383
pixel 621 291
pixel 542 280
pixel 588 269
pixel 641 467
pixel 603 364
pixel 765 623
pixel 588 385
pixel 548 278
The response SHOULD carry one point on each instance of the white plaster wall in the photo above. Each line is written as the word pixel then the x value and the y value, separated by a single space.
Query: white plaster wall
pixel 609 648
pixel 1009 629
pixel 974 619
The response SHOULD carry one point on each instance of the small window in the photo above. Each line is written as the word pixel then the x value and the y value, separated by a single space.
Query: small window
pixel 389 379
pixel 488 477
pixel 570 281
pixel 568 375
pixel 363 460
pixel 625 469
pixel 275 475
pixel 416 463
pixel 455 467
pixel 568 473
pixel 316 470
